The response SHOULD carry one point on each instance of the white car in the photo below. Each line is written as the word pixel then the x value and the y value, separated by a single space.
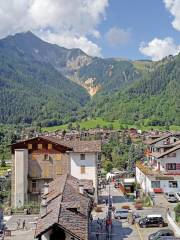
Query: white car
pixel 170 197
pixel 177 195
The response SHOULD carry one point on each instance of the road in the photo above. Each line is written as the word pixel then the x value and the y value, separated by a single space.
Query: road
pixel 121 228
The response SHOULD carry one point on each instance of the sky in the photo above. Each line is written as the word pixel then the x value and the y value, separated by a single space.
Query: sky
pixel 133 29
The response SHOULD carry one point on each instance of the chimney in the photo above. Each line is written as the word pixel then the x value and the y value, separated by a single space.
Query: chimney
pixel 46 188
pixel 43 210
pixel 81 189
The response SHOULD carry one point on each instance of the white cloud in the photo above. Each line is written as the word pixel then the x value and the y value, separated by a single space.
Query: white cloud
pixel 174 7
pixel 117 36
pixel 71 41
pixel 76 19
pixel 159 48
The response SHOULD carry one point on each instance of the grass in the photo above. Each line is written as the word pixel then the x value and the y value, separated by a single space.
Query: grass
pixel 93 123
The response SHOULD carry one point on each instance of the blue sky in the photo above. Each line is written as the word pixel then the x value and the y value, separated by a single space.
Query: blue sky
pixel 145 19
pixel 134 29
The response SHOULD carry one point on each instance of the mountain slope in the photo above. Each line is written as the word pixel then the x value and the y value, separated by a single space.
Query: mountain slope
pixel 32 91
pixel 154 99
pixel 64 60
pixel 107 75
pixel 94 74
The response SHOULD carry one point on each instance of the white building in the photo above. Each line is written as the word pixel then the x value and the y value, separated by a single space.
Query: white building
pixel 161 171
pixel 85 161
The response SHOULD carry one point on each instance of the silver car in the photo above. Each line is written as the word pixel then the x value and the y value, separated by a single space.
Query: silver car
pixel 170 197
pixel 121 213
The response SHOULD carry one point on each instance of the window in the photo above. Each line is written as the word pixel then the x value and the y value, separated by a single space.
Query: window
pixel 46 157
pixel 173 184
pixel 29 146
pixel 58 170
pixel 58 157
pixel 39 146
pixel 82 169
pixel 33 184
pixel 82 156
pixel 33 157
pixel 49 146
pixel 33 172
pixel 173 154
pixel 155 184
pixel 46 172
pixel 171 166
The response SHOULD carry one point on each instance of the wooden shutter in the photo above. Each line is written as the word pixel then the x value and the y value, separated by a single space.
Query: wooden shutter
pixel 82 169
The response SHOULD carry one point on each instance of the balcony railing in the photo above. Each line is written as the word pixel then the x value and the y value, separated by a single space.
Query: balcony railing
pixel 172 172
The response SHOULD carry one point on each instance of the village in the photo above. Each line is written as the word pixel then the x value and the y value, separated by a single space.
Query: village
pixel 59 188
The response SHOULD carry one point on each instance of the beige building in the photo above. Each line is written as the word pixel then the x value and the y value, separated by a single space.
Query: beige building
pixel 40 160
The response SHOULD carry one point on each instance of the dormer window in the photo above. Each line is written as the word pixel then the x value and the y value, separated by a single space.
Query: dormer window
pixel 29 146
pixel 39 146
pixel 82 156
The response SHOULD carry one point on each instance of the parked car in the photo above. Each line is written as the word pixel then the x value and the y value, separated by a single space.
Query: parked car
pixel 121 213
pixel 154 220
pixel 170 197
pixel 160 234
pixel 177 195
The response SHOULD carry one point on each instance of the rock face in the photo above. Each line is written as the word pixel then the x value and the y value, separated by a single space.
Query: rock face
pixel 91 87
pixel 77 62
pixel 64 60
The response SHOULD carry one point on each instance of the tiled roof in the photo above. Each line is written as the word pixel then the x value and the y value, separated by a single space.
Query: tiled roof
pixel 150 142
pixel 169 151
pixel 78 146
pixel 62 200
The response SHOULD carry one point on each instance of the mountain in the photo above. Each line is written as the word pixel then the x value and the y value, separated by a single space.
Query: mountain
pixel 154 99
pixel 107 75
pixel 48 84
pixel 94 74
pixel 64 60
pixel 32 90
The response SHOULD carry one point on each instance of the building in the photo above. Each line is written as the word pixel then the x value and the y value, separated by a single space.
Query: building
pixel 42 159
pixel 85 161
pixel 65 210
pixel 160 170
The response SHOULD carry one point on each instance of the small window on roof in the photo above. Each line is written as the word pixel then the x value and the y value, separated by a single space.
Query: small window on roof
pixel 49 146
pixel 29 146
pixel 82 156
pixel 39 146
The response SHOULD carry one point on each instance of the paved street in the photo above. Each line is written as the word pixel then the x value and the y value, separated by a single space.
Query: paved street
pixel 21 234
pixel 121 228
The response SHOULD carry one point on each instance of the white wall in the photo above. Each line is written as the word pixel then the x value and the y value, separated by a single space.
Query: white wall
pixel 145 182
pixel 21 173
pixel 163 161
pixel 90 164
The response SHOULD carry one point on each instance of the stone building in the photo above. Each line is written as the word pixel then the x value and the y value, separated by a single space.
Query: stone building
pixel 42 159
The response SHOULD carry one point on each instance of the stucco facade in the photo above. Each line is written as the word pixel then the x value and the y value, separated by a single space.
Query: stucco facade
pixel 90 167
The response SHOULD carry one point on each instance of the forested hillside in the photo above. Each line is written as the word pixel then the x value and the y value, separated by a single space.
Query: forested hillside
pixel 109 74
pixel 34 92
pixel 152 100
pixel 44 84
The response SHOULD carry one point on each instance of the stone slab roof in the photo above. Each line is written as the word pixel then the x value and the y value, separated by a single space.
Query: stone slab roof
pixel 66 207
pixel 78 146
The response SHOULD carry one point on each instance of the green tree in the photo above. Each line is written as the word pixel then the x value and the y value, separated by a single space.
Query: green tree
pixel 107 165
